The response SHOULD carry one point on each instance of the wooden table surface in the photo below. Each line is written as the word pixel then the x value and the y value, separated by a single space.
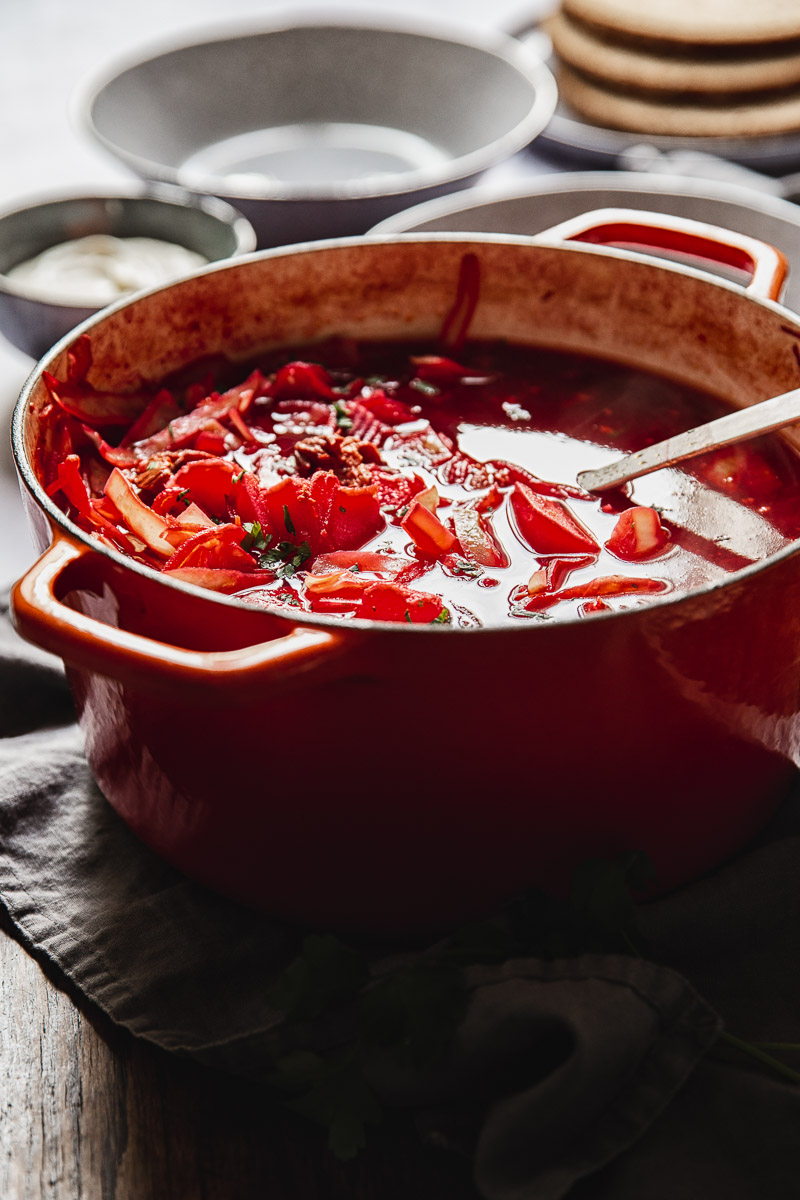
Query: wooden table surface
pixel 88 1112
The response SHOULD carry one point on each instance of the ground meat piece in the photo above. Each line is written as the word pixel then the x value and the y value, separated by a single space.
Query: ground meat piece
pixel 347 457
pixel 156 472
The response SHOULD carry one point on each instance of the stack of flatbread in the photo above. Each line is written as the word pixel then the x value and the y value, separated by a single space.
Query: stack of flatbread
pixel 682 68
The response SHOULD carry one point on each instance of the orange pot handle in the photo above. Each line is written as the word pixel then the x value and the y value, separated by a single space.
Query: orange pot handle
pixel 661 231
pixel 82 641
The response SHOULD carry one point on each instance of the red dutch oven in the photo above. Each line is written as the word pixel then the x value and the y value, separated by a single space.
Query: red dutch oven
pixel 388 777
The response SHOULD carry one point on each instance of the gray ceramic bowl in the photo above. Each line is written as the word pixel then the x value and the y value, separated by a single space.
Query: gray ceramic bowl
pixel 531 208
pixel 203 224
pixel 321 128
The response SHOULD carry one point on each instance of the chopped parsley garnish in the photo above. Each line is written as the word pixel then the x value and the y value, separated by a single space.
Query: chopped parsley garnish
pixel 285 557
pixel 427 389
pixel 287 520
pixel 408 617
pixel 238 478
pixel 443 618
pixel 255 541
pixel 182 497
pixel 289 555
pixel 343 419
pixel 355 568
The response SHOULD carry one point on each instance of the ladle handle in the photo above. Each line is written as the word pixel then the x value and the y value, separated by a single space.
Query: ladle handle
pixel 766 265
pixel 764 417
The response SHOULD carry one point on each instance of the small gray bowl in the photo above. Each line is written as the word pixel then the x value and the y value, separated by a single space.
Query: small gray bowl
pixel 203 224
pixel 320 128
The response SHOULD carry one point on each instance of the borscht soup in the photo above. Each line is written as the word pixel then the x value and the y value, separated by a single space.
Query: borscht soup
pixel 385 481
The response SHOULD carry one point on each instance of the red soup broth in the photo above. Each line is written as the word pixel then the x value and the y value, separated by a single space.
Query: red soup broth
pixel 384 481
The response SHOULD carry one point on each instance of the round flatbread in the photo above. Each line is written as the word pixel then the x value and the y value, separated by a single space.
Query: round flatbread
pixel 696 22
pixel 623 65
pixel 637 114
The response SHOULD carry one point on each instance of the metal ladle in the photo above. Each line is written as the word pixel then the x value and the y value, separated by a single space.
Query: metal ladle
pixel 739 426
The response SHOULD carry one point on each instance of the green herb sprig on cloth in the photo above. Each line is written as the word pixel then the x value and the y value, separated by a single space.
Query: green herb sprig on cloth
pixel 413 1012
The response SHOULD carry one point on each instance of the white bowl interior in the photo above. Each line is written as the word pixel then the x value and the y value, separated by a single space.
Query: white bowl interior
pixel 313 108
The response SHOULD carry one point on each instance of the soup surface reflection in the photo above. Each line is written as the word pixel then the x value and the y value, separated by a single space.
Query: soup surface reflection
pixel 385 481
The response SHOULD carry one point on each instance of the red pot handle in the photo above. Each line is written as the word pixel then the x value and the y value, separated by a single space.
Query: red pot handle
pixel 661 231
pixel 84 642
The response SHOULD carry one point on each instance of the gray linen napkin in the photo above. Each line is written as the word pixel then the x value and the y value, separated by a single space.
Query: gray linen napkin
pixel 585 1076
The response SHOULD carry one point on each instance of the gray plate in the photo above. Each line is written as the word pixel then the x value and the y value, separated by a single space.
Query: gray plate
pixel 572 137
pixel 321 128
pixel 555 198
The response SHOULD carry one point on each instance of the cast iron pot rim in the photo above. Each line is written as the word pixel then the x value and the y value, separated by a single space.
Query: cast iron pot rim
pixel 57 516
pixel 492 42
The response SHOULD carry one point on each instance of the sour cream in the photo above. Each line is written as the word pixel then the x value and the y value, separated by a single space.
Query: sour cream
pixel 93 271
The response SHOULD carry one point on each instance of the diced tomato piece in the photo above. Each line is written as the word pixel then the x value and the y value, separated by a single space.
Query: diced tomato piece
pixel 548 525
pixel 194 516
pixel 429 535
pixel 219 547
pixel 340 584
pixel 607 585
pixel 211 441
pixel 169 501
pixel 597 605
pixel 117 456
pixel 490 502
pixel 395 490
pixel 138 516
pixel 303 380
pixel 386 408
pixel 70 482
pixel 554 572
pixel 476 538
pixel 429 498
pixel 348 516
pixel 186 524
pixel 162 409
pixel 416 568
pixel 243 395
pixel 219 579
pixel 433 368
pixel 212 483
pixel 638 534
pixel 239 427
pixel 365 560
pixel 394 602
pixel 355 517
pixel 102 521
pixel 79 358
pixel 291 514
